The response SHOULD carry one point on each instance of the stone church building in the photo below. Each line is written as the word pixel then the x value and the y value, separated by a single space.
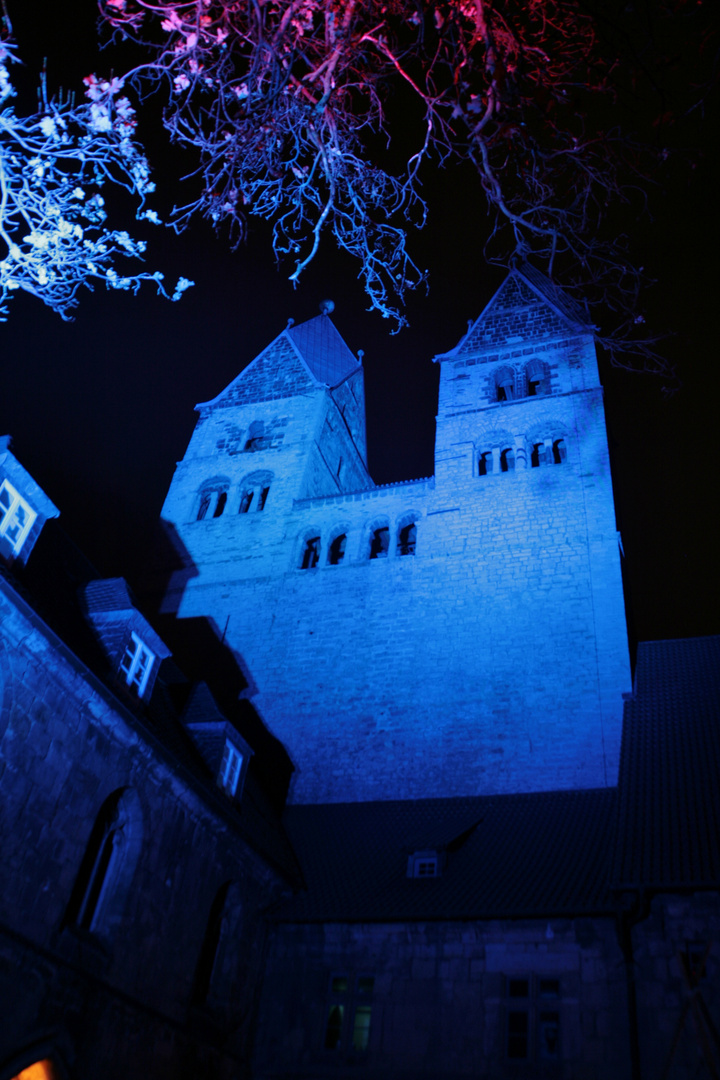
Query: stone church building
pixel 374 792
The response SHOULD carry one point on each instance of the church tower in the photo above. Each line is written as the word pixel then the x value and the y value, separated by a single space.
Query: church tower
pixel 458 635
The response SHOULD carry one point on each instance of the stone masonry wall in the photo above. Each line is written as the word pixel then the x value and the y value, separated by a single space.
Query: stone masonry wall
pixel 494 658
pixel 678 928
pixel 441 998
pixel 117 999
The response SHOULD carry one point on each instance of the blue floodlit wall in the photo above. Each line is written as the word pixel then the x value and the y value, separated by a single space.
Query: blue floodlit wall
pixel 494 658
pixel 114 999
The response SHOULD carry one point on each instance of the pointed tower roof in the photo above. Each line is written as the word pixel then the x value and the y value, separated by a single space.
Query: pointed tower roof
pixel 323 350
pixel 311 353
pixel 527 306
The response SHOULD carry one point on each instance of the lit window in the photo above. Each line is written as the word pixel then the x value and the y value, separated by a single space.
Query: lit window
pixel 355 1001
pixel 136 664
pixel 16 516
pixel 230 768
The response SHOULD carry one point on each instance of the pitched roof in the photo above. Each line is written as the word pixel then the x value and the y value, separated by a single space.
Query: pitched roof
pixel 506 856
pixel 669 798
pixel 323 350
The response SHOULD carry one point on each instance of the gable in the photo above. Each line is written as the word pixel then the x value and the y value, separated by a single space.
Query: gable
pixel 526 307
pixel 278 372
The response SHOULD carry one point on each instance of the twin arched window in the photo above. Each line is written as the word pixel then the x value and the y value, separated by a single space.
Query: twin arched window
pixel 530 380
pixel 378 543
pixel 214 495
pixel 212 498
pixel 551 451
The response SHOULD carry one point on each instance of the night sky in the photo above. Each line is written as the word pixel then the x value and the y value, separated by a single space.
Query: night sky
pixel 100 409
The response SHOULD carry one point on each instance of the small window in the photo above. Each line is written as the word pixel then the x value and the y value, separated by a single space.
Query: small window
pixel 507 460
pixel 505 384
pixel 204 505
pixel 246 501
pixel 336 551
pixel 256 439
pixel 16 516
pixel 262 497
pixel 311 553
pixel 220 504
pixel 549 1036
pixel 136 664
pixel 518 1041
pixel 485 463
pixel 361 1028
pixel 536 378
pixel 230 767
pixel 559 452
pixel 334 1027
pixel 379 543
pixel 407 539
pixel 423 864
pixel 537 455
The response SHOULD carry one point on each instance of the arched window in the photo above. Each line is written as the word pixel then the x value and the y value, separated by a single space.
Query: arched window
pixel 217 965
pixel 537 455
pixel 559 451
pixel 507 460
pixel 310 553
pixel 379 542
pixel 407 537
pixel 537 381
pixel 485 463
pixel 256 438
pixel 505 384
pixel 336 550
pixel 106 871
pixel 254 492
pixel 212 498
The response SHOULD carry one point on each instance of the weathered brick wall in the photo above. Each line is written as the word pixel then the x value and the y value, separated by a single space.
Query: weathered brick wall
pixel 440 999
pixel 677 926
pixel 63 751
pixel 494 659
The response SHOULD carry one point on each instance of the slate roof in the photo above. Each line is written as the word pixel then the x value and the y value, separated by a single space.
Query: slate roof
pixel 554 295
pixel 669 795
pixel 508 856
pixel 323 350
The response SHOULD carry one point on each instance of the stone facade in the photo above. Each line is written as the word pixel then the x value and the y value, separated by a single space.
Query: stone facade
pixel 484 648
pixel 110 983
pixel 486 999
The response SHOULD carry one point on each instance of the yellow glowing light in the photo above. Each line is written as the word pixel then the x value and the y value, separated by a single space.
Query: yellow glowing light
pixel 39 1070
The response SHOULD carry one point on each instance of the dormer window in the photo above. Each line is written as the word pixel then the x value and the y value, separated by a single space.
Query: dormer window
pixel 423 864
pixel 136 664
pixel 16 516
pixel 230 768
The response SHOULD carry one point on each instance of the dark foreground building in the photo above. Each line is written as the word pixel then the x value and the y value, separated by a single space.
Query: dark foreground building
pixel 497 859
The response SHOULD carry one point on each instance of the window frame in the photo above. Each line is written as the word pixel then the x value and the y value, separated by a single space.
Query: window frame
pixel 231 767
pixel 143 658
pixel 9 516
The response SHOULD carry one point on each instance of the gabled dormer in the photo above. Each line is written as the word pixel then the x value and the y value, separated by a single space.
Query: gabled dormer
pixel 24 507
pixel 221 746
pixel 133 649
